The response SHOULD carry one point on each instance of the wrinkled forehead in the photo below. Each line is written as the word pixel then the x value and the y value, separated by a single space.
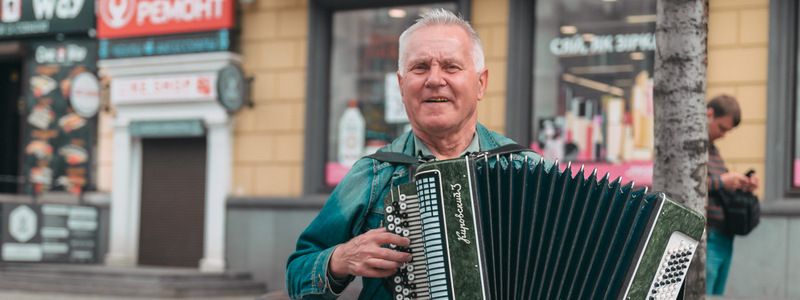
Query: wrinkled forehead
pixel 438 42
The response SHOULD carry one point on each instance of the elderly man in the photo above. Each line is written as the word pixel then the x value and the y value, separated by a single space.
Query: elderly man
pixel 442 77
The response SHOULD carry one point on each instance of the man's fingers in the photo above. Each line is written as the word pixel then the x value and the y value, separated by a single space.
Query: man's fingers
pixel 367 270
pixel 391 238
pixel 392 255
pixel 377 263
pixel 378 273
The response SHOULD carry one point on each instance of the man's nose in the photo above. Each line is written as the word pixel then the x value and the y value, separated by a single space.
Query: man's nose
pixel 435 78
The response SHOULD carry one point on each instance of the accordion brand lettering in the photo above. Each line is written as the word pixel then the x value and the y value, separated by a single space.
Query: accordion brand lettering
pixel 462 231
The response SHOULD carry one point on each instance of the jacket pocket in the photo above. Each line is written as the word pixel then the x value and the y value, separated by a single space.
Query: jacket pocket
pixel 375 218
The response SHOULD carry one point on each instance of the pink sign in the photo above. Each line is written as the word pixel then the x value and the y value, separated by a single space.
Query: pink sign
pixel 334 173
pixel 797 172
pixel 168 88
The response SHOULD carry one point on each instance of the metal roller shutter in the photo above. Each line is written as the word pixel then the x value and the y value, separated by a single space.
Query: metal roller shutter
pixel 173 201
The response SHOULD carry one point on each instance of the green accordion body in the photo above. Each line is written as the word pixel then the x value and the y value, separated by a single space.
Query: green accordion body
pixel 507 227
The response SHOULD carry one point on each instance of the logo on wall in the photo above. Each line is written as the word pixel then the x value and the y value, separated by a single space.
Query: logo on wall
pixel 85 95
pixel 11 10
pixel 117 13
pixel 22 223
pixel 62 54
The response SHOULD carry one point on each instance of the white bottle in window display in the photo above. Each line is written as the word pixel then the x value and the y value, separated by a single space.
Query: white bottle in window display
pixel 351 135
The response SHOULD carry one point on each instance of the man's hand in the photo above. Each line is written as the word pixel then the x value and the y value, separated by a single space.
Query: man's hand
pixel 735 181
pixel 364 256
pixel 752 183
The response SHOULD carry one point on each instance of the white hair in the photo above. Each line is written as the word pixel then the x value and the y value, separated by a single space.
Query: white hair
pixel 441 16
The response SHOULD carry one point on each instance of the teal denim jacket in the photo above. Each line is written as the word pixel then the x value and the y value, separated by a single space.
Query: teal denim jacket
pixel 354 207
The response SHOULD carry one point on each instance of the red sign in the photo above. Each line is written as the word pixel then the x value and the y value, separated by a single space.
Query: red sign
pixel 129 18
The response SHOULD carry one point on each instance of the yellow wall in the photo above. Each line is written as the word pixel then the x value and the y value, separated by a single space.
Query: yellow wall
pixel 490 19
pixel 268 139
pixel 738 32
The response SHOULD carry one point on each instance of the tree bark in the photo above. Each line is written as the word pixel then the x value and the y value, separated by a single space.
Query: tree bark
pixel 681 132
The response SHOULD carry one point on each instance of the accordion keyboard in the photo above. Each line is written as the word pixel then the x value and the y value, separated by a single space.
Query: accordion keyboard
pixel 403 218
pixel 673 267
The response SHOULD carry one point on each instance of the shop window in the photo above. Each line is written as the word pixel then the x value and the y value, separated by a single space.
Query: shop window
pixel 782 180
pixel 593 85
pixel 365 110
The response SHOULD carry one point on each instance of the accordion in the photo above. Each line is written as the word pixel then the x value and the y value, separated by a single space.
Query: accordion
pixel 509 227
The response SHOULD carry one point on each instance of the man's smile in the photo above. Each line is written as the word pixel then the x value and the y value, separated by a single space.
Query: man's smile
pixel 436 100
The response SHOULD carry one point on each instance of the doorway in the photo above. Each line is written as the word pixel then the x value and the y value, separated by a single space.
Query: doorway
pixel 10 74
pixel 172 201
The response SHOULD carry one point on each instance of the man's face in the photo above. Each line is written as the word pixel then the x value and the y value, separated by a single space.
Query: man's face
pixel 718 126
pixel 439 83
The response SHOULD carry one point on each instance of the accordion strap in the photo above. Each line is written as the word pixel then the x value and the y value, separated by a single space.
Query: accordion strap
pixel 395 158
pixel 412 162
pixel 505 149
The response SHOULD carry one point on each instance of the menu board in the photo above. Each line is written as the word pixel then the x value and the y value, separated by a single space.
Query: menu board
pixel 57 139
pixel 49 233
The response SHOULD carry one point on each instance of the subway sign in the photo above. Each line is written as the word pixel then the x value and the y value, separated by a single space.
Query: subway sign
pixel 133 18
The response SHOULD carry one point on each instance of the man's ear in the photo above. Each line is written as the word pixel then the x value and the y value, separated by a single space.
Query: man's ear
pixel 710 113
pixel 483 81
pixel 400 82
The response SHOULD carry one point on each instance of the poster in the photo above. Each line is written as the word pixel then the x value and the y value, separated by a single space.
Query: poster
pixel 57 141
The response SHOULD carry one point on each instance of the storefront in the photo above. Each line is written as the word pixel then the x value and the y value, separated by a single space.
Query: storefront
pixel 581 83
pixel 48 135
pixel 175 86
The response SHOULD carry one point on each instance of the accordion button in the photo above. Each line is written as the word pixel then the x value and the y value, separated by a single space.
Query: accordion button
pixel 405 292
pixel 390 218
pixel 398 288
pixel 389 209
pixel 398 297
pixel 398 279
pixel 390 227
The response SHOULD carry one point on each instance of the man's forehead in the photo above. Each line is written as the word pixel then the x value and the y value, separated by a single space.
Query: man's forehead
pixel 725 121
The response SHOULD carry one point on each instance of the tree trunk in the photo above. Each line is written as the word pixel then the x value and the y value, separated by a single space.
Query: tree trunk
pixel 681 132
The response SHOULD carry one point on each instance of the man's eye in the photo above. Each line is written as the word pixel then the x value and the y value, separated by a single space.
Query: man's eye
pixel 419 68
pixel 452 68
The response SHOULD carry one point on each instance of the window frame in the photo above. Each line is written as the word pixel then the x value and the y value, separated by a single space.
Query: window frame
pixel 781 197
pixel 320 38
pixel 519 107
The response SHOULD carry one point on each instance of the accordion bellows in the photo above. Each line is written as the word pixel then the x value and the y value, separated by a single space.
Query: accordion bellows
pixel 507 227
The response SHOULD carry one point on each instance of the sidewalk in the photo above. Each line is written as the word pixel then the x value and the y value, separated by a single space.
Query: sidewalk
pixel 25 295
